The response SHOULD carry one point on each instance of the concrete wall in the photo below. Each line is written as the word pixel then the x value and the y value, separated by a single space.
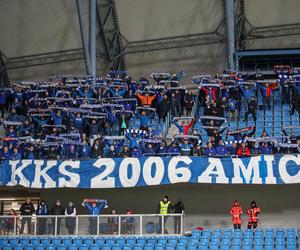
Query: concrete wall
pixel 206 205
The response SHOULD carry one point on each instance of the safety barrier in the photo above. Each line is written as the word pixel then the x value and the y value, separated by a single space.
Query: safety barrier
pixel 108 225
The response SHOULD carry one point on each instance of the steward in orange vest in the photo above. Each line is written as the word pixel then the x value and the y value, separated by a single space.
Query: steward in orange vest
pixel 253 212
pixel 236 212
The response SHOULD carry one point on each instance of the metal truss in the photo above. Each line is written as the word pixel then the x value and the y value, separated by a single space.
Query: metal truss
pixel 174 42
pixel 109 36
pixel 47 58
pixel 274 31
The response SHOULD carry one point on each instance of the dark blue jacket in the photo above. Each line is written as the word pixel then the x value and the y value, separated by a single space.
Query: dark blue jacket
pixel 95 210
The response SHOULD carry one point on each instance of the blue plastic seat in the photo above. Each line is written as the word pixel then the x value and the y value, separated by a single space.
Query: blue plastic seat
pixel 152 240
pixel 280 247
pixel 160 246
pixel 215 241
pixel 24 241
pixel 110 241
pixel 141 240
pixel 121 241
pixel 214 246
pixel 56 241
pixel 67 241
pixel 193 240
pixel 41 247
pixel 99 241
pixel 196 233
pixel 269 247
pixel 106 247
pixel 116 247
pixel 173 240
pixel 149 246
pixel 73 247
pixel 88 241
pixel 78 241
pixel 191 246
pixel 46 242
pixel 3 241
pixel 162 240
pixel 35 241
pixel 138 246
pixel 131 240
pixel 83 247
pixel 127 247
pixel 181 246
pixel 280 241
pixel 247 247
pixel 14 241
pixel 291 247
pixel 184 240
pixel 170 247
pixel 18 247
pixel 225 247
pixel 94 247
pixel 61 247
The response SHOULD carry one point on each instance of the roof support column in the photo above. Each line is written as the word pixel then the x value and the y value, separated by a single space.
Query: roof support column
pixel 230 30
pixel 83 37
pixel 92 36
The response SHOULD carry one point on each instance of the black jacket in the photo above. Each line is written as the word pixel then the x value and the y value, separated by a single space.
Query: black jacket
pixel 57 210
pixel 178 207
pixel 27 209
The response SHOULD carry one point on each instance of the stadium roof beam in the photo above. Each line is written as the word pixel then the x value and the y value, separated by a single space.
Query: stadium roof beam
pixel 47 58
pixel 109 36
pixel 174 42
pixel 274 31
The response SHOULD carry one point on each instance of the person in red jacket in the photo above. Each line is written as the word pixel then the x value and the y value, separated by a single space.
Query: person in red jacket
pixel 236 212
pixel 243 151
pixel 211 92
pixel 184 128
pixel 253 212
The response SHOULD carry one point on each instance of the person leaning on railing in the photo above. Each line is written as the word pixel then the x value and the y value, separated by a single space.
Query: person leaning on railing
pixel 57 210
pixel 164 207
pixel 95 207
pixel 27 209
pixel 70 212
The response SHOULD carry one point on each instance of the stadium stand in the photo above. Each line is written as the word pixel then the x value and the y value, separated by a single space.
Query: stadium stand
pixel 73 118
pixel 270 238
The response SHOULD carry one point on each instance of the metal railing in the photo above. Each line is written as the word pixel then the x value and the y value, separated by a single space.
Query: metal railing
pixel 104 225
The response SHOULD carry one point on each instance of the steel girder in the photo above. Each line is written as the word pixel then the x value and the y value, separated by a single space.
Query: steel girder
pixel 109 36
pixel 47 58
pixel 175 42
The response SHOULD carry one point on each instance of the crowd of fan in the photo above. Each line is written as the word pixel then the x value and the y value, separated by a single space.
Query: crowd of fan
pixel 76 118
pixel 224 96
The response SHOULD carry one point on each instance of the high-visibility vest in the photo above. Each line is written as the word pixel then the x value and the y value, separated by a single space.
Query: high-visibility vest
pixel 164 207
